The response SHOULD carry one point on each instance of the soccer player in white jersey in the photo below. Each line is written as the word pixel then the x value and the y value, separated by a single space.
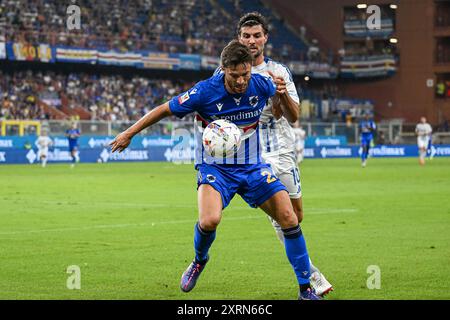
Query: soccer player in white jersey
pixel 43 142
pixel 276 132
pixel 300 136
pixel 423 132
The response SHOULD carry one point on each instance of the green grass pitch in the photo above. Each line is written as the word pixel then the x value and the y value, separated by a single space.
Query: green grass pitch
pixel 129 228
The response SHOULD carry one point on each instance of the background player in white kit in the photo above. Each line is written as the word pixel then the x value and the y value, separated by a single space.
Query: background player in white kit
pixel 300 137
pixel 423 131
pixel 43 142
pixel 277 135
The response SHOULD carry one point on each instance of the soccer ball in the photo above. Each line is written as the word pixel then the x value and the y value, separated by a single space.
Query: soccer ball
pixel 221 138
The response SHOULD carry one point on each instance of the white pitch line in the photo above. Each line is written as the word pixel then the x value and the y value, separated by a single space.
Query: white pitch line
pixel 127 225
pixel 114 226
pixel 185 206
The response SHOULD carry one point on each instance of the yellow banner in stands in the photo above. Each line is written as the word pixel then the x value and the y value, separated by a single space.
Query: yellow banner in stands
pixel 22 125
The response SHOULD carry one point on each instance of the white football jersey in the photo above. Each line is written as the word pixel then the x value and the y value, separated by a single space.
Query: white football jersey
pixel 300 134
pixel 423 129
pixel 43 142
pixel 277 136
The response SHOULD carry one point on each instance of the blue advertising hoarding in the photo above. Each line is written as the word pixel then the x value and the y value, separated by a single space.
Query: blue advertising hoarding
pixel 319 141
pixel 164 149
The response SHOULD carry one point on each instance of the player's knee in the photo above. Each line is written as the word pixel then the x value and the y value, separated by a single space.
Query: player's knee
pixel 287 218
pixel 209 223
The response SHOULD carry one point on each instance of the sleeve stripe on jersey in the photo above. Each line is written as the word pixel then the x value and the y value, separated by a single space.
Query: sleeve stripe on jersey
pixel 288 71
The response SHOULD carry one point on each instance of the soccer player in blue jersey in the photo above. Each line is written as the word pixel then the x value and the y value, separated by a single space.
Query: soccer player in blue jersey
pixel 238 96
pixel 367 128
pixel 72 135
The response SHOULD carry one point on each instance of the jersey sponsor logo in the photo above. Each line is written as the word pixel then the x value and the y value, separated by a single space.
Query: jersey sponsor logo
pixel 219 106
pixel 185 97
pixel 253 100
pixel 237 100
pixel 240 116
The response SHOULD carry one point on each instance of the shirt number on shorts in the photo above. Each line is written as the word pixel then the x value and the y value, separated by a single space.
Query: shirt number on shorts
pixel 270 179
pixel 296 176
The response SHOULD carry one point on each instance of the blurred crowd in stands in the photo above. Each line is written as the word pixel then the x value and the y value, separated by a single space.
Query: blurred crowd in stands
pixel 116 98
pixel 19 97
pixel 174 26
pixel 112 98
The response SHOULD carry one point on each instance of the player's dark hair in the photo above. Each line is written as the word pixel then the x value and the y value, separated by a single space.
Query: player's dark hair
pixel 235 53
pixel 252 19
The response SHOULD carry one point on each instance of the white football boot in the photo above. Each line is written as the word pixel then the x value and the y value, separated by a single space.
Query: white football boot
pixel 320 285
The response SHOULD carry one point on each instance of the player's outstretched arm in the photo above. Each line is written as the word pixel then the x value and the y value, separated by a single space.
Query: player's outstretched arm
pixel 122 141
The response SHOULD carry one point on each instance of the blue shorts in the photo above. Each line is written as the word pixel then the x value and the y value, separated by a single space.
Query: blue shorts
pixel 365 141
pixel 255 183
pixel 73 148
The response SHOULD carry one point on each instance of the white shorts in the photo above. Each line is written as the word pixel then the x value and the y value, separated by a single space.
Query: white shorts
pixel 42 153
pixel 422 142
pixel 285 168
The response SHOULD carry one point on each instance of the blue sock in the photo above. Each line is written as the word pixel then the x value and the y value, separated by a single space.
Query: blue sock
pixel 364 154
pixel 297 254
pixel 202 242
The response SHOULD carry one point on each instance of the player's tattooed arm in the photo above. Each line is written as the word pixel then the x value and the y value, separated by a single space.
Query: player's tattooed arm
pixel 123 140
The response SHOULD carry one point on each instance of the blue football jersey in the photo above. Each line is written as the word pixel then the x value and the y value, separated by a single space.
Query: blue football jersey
pixel 211 101
pixel 73 135
pixel 366 128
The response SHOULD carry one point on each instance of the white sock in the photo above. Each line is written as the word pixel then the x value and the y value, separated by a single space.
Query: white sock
pixel 278 230
pixel 423 155
pixel 313 268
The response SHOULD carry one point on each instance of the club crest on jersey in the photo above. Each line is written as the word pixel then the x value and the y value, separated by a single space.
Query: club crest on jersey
pixel 185 97
pixel 219 106
pixel 237 100
pixel 253 100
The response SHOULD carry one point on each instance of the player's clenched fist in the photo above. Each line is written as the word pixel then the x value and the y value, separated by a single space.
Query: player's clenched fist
pixel 279 82
pixel 121 142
